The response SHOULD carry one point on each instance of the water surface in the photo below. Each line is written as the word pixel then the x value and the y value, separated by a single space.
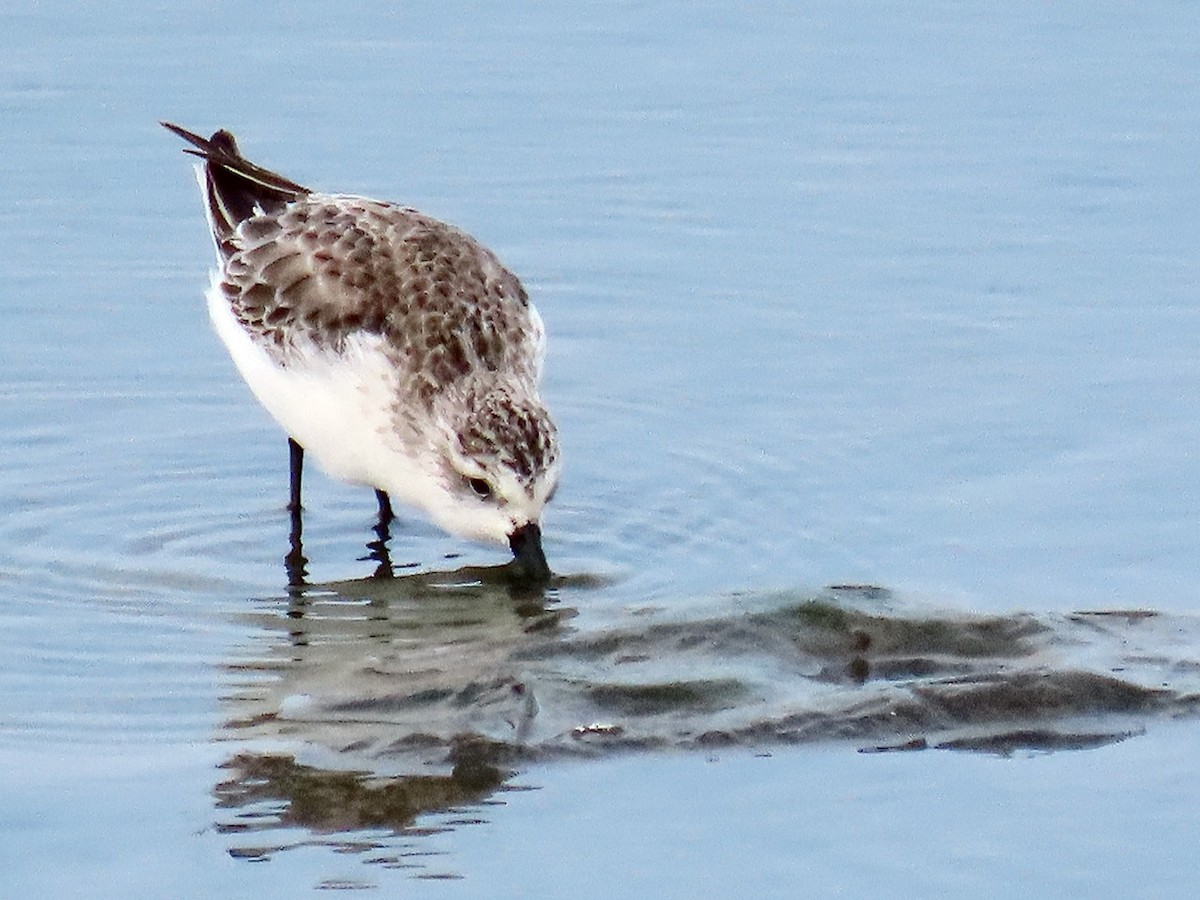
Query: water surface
pixel 874 354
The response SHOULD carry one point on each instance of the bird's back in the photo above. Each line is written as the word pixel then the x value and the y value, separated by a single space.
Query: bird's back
pixel 324 267
pixel 304 272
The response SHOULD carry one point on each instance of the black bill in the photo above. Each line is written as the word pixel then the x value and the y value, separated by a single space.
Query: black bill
pixel 529 561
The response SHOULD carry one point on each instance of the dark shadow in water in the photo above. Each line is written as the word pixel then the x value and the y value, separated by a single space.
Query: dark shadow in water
pixel 273 791
pixel 398 675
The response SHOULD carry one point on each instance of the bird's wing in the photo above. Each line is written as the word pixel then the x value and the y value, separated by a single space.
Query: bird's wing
pixel 299 265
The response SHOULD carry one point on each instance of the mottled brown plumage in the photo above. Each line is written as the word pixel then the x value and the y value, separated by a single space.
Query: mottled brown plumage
pixel 325 267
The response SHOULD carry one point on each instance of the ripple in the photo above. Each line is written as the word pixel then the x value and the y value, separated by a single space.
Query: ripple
pixel 418 698
pixel 393 669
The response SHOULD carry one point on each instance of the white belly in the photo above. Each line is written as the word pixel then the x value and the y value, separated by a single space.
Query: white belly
pixel 335 405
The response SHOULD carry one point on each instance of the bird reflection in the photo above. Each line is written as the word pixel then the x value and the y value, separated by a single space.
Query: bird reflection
pixel 331 802
pixel 421 672
pixel 377 550
pixel 295 563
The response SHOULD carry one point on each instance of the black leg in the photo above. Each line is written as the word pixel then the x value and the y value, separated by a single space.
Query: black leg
pixel 295 562
pixel 295 470
pixel 385 506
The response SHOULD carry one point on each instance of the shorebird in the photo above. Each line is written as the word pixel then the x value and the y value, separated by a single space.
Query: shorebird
pixel 396 349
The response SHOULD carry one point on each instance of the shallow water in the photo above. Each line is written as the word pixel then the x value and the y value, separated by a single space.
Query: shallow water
pixel 874 353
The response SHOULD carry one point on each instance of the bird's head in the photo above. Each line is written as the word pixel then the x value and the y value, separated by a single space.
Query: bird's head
pixel 497 461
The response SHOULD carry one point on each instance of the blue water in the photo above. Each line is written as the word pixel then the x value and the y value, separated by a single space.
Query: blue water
pixel 899 295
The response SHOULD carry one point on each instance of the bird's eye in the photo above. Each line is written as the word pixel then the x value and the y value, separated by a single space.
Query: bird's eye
pixel 480 486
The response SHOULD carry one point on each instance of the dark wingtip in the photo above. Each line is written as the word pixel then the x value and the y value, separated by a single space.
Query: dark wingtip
pixel 176 129
pixel 236 188
pixel 222 145
pixel 225 142
pixel 190 136
pixel 222 150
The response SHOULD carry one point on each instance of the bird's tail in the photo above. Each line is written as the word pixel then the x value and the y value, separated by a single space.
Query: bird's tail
pixel 235 188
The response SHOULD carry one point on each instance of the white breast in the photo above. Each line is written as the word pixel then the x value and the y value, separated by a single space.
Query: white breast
pixel 335 405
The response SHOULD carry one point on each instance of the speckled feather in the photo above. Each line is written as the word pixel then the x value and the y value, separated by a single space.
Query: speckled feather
pixel 326 266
